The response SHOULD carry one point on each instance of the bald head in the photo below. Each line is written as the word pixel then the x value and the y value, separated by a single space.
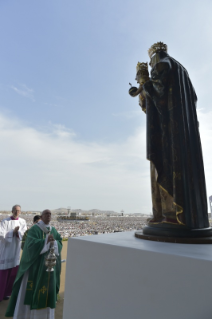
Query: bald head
pixel 46 210
pixel 46 216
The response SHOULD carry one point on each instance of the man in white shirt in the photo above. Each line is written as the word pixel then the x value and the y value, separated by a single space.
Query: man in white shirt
pixel 11 232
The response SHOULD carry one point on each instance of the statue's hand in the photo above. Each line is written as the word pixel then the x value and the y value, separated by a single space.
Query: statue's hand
pixel 134 91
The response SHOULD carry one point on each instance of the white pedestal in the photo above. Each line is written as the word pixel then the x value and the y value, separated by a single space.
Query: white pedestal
pixel 118 276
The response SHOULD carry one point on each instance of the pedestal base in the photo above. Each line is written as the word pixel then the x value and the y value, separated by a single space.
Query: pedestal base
pixel 172 239
pixel 118 276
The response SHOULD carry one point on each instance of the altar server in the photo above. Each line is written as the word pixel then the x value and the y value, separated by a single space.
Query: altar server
pixel 35 290
pixel 11 232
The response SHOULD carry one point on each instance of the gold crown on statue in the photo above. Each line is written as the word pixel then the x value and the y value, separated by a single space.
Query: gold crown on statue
pixel 157 47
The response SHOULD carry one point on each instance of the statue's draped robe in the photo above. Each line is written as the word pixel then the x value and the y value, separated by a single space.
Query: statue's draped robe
pixel 173 141
pixel 42 286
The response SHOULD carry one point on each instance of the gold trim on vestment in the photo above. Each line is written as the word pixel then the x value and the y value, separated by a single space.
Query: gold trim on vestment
pixel 30 285
pixel 43 290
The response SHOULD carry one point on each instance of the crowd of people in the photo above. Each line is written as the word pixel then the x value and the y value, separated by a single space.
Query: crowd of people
pixel 101 224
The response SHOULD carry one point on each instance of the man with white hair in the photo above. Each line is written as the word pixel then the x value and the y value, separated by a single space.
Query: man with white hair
pixel 11 232
pixel 35 290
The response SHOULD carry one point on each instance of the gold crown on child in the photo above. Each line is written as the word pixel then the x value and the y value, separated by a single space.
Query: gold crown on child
pixel 142 66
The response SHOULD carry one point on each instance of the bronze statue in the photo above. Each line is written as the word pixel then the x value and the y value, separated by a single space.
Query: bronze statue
pixel 174 149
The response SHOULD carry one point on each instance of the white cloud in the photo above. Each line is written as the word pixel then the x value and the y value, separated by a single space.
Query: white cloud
pixel 53 169
pixel 205 120
pixel 23 90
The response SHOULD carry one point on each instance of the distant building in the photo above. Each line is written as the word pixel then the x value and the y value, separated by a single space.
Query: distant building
pixel 74 214
pixel 210 201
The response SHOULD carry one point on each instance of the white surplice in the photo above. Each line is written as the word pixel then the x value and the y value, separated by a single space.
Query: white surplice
pixel 23 311
pixel 10 245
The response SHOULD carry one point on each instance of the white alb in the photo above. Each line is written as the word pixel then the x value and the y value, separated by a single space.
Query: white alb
pixel 10 244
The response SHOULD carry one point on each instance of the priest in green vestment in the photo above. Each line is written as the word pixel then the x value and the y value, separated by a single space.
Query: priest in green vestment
pixel 35 290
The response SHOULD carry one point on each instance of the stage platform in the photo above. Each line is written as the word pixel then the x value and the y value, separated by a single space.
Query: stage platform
pixel 118 276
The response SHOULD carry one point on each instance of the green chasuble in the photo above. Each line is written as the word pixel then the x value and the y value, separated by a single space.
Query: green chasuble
pixel 42 286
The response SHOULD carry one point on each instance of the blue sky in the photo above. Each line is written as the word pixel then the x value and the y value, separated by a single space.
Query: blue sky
pixel 69 132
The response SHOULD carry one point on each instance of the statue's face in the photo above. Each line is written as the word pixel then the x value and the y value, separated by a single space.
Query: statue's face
pixel 138 78
pixel 154 59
